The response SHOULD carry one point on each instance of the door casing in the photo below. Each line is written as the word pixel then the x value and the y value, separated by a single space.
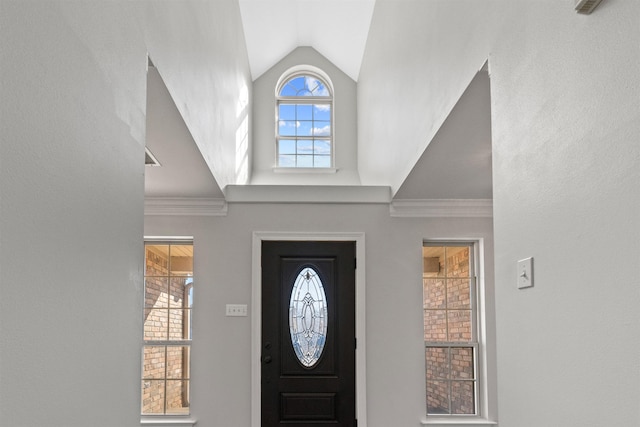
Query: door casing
pixel 256 314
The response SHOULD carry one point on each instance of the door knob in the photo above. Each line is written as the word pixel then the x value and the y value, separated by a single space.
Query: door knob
pixel 266 359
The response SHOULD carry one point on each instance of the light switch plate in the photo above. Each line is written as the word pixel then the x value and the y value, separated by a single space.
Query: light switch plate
pixel 525 273
pixel 236 310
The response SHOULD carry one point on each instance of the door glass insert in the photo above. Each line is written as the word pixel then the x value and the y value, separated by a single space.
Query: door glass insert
pixel 308 317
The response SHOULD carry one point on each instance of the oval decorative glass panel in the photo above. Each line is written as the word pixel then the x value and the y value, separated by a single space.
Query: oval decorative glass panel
pixel 308 317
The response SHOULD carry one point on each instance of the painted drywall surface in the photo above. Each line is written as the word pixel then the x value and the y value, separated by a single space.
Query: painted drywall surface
pixel 422 54
pixel 183 171
pixel 566 156
pixel 565 174
pixel 457 162
pixel 71 185
pixel 221 354
pixel 199 50
pixel 345 144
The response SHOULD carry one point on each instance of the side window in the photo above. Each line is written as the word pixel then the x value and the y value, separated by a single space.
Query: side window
pixel 304 122
pixel 168 300
pixel 450 328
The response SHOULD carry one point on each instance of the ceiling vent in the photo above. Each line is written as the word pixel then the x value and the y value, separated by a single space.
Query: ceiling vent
pixel 586 6
pixel 149 158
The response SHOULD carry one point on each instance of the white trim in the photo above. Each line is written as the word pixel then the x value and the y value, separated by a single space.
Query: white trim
pixel 191 206
pixel 453 208
pixel 256 313
pixel 304 170
pixel 485 417
pixel 169 420
pixel 457 422
pixel 307 194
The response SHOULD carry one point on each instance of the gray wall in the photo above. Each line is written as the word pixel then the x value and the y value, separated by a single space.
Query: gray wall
pixel 565 126
pixel 221 354
pixel 71 214
pixel 73 79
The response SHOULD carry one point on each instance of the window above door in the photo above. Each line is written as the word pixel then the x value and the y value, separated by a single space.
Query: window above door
pixel 304 120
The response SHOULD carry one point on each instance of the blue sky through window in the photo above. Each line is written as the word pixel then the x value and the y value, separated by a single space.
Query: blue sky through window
pixel 304 86
pixel 304 128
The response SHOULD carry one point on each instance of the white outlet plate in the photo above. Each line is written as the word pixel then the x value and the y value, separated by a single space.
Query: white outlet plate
pixel 525 273
pixel 236 310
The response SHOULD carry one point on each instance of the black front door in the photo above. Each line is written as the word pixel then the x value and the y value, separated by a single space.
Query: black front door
pixel 308 334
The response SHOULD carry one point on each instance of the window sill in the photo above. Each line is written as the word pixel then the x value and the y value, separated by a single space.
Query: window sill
pixel 457 422
pixel 305 170
pixel 173 421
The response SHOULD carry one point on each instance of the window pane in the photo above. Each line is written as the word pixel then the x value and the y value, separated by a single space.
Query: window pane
pixel 153 396
pixel 437 363
pixel 305 146
pixel 322 112
pixel 293 86
pixel 462 401
pixel 308 317
pixel 322 128
pixel 434 293
pixel 459 325
pixel 287 127
pixel 457 261
pixel 316 87
pixel 177 362
pixel 177 291
pixel 156 292
pixel 177 396
pixel 437 397
pixel 178 324
pixel 304 112
pixel 305 161
pixel 304 128
pixel 288 90
pixel 322 147
pixel 462 363
pixel 435 325
pixel 157 260
pixel 433 261
pixel 181 262
pixel 153 362
pixel 156 324
pixel 287 112
pixel 286 146
pixel 322 161
pixel 287 161
pixel 459 293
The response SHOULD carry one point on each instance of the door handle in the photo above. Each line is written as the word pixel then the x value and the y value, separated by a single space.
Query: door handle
pixel 266 359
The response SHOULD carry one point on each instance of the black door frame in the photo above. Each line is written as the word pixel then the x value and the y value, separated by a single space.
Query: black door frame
pixel 256 314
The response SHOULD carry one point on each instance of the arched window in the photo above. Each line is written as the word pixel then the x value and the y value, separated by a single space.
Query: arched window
pixel 304 120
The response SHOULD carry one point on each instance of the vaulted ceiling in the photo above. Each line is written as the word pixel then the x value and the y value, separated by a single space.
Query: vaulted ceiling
pixel 455 165
pixel 337 29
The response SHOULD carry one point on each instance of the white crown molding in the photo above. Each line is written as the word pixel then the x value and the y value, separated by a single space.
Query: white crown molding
pixel 307 194
pixel 438 208
pixel 193 206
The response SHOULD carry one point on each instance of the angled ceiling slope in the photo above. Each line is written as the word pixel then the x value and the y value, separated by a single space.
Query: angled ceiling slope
pixel 338 29
pixel 182 171
pixel 457 162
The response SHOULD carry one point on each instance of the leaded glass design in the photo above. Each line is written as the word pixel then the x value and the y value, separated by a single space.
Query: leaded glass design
pixel 308 317
pixel 304 123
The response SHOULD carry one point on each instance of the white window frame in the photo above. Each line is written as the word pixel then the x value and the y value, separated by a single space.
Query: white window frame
pixel 482 417
pixel 177 419
pixel 292 73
